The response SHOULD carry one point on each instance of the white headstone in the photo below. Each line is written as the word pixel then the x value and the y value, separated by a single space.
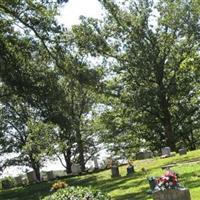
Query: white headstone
pixel 166 151
pixel 76 169
pixel 96 165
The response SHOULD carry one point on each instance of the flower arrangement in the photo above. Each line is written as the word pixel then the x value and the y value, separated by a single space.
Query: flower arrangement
pixel 168 181
pixel 58 185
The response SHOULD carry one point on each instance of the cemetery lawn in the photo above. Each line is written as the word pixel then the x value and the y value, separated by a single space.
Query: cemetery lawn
pixel 132 187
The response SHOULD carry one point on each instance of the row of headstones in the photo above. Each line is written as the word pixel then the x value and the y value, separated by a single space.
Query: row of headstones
pixel 166 152
pixel 30 177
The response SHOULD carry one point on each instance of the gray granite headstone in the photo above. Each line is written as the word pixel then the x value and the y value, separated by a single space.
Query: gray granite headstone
pixel 19 181
pixel 50 175
pixel 31 177
pixel 172 194
pixel 182 151
pixel 166 151
pixel 76 169
pixel 96 165
pixel 144 155
pixel 115 171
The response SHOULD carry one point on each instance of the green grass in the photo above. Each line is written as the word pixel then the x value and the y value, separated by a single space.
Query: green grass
pixel 123 188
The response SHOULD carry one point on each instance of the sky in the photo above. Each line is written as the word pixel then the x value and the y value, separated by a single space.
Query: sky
pixel 71 11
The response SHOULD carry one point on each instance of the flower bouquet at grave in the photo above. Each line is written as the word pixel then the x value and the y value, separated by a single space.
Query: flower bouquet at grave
pixel 168 181
pixel 58 185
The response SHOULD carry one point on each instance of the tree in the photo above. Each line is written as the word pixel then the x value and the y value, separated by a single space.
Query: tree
pixel 148 59
pixel 38 66
pixel 23 133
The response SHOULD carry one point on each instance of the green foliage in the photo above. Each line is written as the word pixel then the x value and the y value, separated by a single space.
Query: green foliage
pixel 8 182
pixel 151 97
pixel 80 193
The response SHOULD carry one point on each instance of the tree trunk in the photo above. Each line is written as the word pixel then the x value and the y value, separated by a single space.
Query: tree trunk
pixel 80 150
pixel 164 108
pixel 36 167
pixel 67 157
pixel 192 143
pixel 37 172
pixel 166 122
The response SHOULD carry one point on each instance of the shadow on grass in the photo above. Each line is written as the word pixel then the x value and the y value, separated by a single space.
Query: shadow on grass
pixel 32 192
pixel 132 196
pixel 121 183
pixel 191 180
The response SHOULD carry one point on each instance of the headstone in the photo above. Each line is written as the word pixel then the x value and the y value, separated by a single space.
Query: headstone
pixel 76 169
pixel 144 155
pixel 182 151
pixel 115 171
pixel 172 194
pixel 130 170
pixel 31 177
pixel 148 154
pixel 96 165
pixel 166 151
pixel 19 181
pixel 50 175
pixel 25 180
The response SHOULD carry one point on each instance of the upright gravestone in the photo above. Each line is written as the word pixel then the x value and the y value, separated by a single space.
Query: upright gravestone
pixel 31 177
pixel 140 155
pixel 50 175
pixel 144 155
pixel 96 165
pixel 166 151
pixel 130 169
pixel 19 181
pixel 115 171
pixel 172 194
pixel 76 169
pixel 182 151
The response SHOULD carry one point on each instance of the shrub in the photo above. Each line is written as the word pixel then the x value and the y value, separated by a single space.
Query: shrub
pixel 8 183
pixel 80 193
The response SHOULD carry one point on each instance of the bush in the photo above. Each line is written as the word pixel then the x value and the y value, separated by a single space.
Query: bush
pixel 8 183
pixel 80 193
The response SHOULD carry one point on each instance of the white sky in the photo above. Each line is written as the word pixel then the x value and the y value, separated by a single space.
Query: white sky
pixel 72 10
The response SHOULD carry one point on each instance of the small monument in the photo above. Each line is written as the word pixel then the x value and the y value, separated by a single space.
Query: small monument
pixel 31 177
pixel 144 155
pixel 167 187
pixel 76 169
pixel 166 152
pixel 96 164
pixel 50 175
pixel 130 168
pixel 19 181
pixel 182 151
pixel 172 194
pixel 114 169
